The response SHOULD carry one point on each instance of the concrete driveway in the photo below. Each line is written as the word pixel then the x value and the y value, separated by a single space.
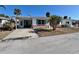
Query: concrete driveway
pixel 60 44
pixel 21 33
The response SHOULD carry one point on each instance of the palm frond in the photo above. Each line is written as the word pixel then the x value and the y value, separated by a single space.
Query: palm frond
pixel 3 6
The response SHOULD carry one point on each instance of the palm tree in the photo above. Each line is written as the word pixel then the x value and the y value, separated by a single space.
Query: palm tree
pixel 47 14
pixel 65 17
pixel 54 20
pixel 17 12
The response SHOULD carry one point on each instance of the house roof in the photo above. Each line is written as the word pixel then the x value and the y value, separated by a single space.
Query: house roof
pixel 3 18
pixel 32 18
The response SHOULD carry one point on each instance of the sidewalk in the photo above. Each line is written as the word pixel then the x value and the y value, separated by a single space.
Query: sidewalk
pixel 21 33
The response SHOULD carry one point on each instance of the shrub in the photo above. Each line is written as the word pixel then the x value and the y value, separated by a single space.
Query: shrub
pixel 9 26
pixel 41 29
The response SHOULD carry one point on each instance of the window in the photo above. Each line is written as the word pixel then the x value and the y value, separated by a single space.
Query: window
pixel 41 21
pixel 21 23
pixel 17 22
pixel 38 21
pixel 67 22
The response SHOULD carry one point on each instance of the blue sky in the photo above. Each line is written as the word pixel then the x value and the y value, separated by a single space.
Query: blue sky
pixel 40 10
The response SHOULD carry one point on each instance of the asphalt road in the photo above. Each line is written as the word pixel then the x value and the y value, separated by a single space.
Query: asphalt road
pixel 60 44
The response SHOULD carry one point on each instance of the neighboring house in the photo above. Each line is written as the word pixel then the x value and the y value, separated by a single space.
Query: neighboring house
pixel 3 20
pixel 76 23
pixel 32 22
pixel 67 22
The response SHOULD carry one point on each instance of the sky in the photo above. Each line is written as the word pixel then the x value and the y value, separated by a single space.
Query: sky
pixel 40 10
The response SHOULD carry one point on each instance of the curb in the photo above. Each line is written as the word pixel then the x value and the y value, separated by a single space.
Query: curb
pixel 18 38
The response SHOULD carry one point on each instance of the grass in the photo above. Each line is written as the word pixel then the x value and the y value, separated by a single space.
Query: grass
pixel 58 31
pixel 4 34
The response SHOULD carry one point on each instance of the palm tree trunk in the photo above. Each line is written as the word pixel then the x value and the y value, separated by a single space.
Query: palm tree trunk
pixel 16 21
pixel 54 27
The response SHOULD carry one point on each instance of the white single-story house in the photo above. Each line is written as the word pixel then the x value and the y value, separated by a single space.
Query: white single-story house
pixel 32 22
pixel 41 22
pixel 67 22
pixel 3 20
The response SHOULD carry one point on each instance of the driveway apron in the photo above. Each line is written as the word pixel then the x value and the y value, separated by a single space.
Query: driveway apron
pixel 21 33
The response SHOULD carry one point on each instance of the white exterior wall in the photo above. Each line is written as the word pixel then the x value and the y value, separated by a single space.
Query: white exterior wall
pixel 19 23
pixel 22 23
pixel 63 22
pixel 2 22
pixel 34 22
pixel 48 24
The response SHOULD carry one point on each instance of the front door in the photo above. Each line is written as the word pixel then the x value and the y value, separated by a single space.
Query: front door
pixel 27 23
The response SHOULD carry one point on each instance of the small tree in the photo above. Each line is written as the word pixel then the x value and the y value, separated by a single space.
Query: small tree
pixel 54 20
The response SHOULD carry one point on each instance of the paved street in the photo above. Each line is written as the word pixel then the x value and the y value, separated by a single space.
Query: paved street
pixel 67 43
